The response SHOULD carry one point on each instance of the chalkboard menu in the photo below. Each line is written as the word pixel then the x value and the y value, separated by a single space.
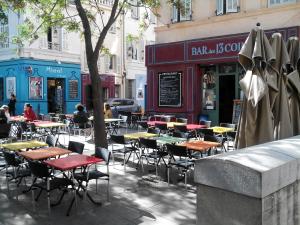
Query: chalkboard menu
pixel 73 89
pixel 169 89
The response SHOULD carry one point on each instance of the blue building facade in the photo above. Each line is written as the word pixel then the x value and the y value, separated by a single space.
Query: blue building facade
pixel 50 86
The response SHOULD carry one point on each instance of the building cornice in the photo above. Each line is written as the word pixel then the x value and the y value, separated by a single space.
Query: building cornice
pixel 228 17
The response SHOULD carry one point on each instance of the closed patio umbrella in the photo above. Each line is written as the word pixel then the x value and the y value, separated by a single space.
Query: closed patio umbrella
pixel 293 83
pixel 255 124
pixel 279 98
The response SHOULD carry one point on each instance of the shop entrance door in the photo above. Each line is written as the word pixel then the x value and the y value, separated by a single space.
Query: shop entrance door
pixel 56 98
pixel 226 97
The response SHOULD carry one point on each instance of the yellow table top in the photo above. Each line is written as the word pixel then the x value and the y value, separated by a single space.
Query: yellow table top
pixel 17 146
pixel 172 124
pixel 134 136
pixel 221 130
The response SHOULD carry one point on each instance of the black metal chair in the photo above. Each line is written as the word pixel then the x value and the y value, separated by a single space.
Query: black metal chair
pixel 150 150
pixel 16 170
pixel 180 134
pixel 4 132
pixel 214 138
pixel 51 140
pixel 162 127
pixel 180 157
pixel 126 148
pixel 153 130
pixel 182 120
pixel 180 128
pixel 48 183
pixel 143 124
pixel 204 131
pixel 96 174
pixel 76 147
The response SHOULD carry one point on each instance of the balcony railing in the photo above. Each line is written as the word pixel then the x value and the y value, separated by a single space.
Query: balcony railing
pixel 106 2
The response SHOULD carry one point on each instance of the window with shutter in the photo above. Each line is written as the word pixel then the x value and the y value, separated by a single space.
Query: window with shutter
pixel 278 2
pixel 134 9
pixel 64 39
pixel 183 12
pixel 4 34
pixel 220 7
pixel 106 63
pixel 231 6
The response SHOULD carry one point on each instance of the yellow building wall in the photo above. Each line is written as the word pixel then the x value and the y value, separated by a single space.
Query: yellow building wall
pixel 206 24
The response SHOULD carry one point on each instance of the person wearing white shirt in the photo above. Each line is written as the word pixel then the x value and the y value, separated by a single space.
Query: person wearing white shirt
pixel 6 111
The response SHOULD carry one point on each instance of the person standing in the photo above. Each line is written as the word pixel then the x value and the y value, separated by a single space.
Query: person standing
pixel 107 113
pixel 12 105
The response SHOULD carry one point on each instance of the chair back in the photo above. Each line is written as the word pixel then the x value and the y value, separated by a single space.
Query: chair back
pixel 162 127
pixel 10 159
pixel 118 139
pixel 165 119
pixel 177 150
pixel 211 138
pixel 229 125
pixel 231 134
pixel 181 128
pixel 182 120
pixel 103 153
pixel 179 134
pixel 39 169
pixel 5 130
pixel 153 130
pixel 62 117
pixel 205 131
pixel 148 143
pixel 76 147
pixel 51 140
pixel 143 124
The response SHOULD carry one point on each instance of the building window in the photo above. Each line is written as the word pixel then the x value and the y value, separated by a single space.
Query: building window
pixel 134 9
pixel 152 17
pixel 110 63
pixel 4 40
pixel 227 6
pixel 132 50
pixel 182 11
pixel 130 84
pixel 56 38
pixel 117 91
pixel 278 2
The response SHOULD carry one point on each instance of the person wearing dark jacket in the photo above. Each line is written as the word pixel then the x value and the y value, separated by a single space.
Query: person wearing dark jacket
pixel 80 117
pixel 12 105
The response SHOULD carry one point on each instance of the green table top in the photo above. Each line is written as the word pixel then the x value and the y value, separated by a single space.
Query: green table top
pixel 17 146
pixel 168 139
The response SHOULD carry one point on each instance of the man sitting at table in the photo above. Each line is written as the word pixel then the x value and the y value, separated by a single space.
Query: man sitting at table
pixel 29 113
pixel 3 118
pixel 80 117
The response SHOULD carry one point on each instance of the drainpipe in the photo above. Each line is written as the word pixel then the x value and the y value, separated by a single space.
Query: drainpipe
pixel 123 53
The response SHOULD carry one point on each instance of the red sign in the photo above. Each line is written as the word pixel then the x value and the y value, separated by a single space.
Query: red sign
pixel 226 47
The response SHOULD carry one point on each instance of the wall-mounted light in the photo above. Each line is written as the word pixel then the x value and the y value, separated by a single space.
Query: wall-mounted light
pixel 28 70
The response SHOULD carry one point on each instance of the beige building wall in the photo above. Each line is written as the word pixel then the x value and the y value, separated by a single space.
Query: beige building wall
pixel 205 23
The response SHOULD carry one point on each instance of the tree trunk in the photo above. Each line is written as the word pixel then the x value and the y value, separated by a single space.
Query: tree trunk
pixel 99 125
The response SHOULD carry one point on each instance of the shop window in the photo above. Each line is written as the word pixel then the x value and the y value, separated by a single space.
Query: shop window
pixel 209 90
pixel 105 94
pixel 227 68
pixel 279 2
pixel 182 11
pixel 227 6
pixel 4 40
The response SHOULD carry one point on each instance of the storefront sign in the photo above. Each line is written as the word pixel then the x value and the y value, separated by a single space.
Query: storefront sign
pixel 55 70
pixel 169 89
pixel 218 48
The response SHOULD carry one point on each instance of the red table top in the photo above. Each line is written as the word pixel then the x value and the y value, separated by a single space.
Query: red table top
pixel 72 162
pixel 18 118
pixel 152 123
pixel 194 126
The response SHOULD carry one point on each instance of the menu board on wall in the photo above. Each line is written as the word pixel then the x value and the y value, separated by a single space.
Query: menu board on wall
pixel 169 89
pixel 73 89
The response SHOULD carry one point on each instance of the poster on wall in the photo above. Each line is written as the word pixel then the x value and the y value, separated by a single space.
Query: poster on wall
pixel 73 89
pixel 35 87
pixel 169 89
pixel 10 86
pixel 209 99
pixel 140 94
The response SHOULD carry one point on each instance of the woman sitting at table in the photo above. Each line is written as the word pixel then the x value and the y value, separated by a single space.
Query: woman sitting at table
pixel 6 112
pixel 3 118
pixel 80 117
pixel 107 113
pixel 29 113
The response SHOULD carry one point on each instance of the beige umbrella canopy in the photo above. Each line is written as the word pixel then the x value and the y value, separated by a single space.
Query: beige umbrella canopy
pixel 256 123
pixel 293 84
pixel 277 79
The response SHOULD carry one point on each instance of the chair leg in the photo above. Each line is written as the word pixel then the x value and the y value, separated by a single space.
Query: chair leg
pixel 48 196
pixel 168 170
pixel 185 178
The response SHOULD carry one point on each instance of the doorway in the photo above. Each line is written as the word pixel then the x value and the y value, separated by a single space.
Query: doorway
pixel 226 97
pixel 56 98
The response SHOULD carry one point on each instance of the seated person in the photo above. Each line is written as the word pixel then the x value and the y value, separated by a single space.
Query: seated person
pixel 29 113
pixel 107 113
pixel 80 117
pixel 3 118
pixel 6 112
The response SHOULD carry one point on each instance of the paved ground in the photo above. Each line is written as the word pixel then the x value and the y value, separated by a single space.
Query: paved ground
pixel 135 198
